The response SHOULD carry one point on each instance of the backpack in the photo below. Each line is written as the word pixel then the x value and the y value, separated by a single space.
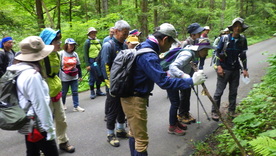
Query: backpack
pixel 121 79
pixel 215 57
pixel 169 57
pixel 12 116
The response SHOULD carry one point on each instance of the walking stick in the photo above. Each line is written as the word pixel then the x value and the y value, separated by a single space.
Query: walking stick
pixel 199 101
pixel 206 92
pixel 83 77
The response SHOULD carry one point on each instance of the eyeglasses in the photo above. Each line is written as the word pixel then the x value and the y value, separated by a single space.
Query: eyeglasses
pixel 56 42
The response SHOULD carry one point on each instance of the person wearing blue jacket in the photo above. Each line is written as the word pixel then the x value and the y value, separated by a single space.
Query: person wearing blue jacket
pixel 148 71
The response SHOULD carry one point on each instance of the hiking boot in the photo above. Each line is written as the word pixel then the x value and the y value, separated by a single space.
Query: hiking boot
pixel 215 116
pixel 189 117
pixel 121 133
pixel 183 119
pixel 67 147
pixel 92 94
pixel 78 109
pixel 181 125
pixel 100 93
pixel 232 114
pixel 113 141
pixel 176 130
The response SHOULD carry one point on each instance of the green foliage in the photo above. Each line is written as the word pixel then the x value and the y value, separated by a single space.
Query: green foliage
pixel 264 146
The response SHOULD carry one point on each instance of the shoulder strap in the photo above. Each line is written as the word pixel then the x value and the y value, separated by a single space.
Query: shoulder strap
pixel 144 50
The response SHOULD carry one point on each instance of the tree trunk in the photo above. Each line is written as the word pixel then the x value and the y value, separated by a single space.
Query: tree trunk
pixel 39 13
pixel 48 15
pixel 223 5
pixel 98 6
pixel 58 14
pixel 70 13
pixel 155 15
pixel 143 18
pixel 119 2
pixel 241 8
pixel 105 7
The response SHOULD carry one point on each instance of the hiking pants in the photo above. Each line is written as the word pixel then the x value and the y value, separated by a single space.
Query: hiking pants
pixel 49 148
pixel 92 75
pixel 184 106
pixel 114 111
pixel 233 78
pixel 60 121
pixel 135 109
pixel 74 88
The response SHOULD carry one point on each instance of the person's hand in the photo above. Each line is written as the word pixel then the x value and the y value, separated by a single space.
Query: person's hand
pixel 198 77
pixel 80 79
pixel 88 68
pixel 51 135
pixel 220 71
pixel 245 73
pixel 185 76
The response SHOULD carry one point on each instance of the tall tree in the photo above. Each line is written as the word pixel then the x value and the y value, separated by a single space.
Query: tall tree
pixel 155 14
pixel 39 13
pixel 105 7
pixel 143 18
pixel 98 6
pixel 58 14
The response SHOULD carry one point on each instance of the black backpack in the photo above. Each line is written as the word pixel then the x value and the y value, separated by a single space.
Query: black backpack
pixel 121 78
pixel 12 116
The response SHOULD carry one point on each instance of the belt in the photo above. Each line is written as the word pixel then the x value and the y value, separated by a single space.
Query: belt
pixel 138 94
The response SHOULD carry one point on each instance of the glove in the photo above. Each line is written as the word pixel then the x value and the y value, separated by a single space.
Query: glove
pixel 198 77
pixel 51 135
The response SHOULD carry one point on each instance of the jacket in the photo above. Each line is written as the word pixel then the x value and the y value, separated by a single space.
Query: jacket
pixel 148 71
pixel 91 49
pixel 33 90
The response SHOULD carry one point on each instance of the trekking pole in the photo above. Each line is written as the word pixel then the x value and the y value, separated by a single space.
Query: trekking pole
pixel 206 92
pixel 199 101
pixel 197 105
pixel 83 78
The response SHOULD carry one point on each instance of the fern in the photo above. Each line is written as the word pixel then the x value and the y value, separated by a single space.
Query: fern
pixel 264 146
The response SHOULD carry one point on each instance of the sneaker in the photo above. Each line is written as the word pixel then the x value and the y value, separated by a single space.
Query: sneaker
pixel 67 147
pixel 181 125
pixel 121 133
pixel 232 114
pixel 113 141
pixel 100 93
pixel 92 94
pixel 183 119
pixel 176 130
pixel 65 107
pixel 189 117
pixel 215 116
pixel 78 109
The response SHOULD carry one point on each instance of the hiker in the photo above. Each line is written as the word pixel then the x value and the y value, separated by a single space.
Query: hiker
pixel 6 54
pixel 70 73
pixel 135 32
pixel 50 67
pixel 132 41
pixel 205 32
pixel 113 108
pixel 33 95
pixel 226 31
pixel 110 36
pixel 228 66
pixel 147 71
pixel 181 68
pixel 91 49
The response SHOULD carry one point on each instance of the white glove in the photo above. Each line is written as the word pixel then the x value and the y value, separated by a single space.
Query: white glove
pixel 185 76
pixel 199 77
pixel 51 135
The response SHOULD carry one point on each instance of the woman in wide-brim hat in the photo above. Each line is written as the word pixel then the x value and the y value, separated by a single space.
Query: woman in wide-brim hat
pixel 33 95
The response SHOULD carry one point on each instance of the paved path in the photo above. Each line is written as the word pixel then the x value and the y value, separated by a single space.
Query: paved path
pixel 87 131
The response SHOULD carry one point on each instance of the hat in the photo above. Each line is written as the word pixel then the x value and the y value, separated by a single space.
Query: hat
pixel 70 41
pixel 168 29
pixel 33 49
pixel 238 19
pixel 203 43
pixel 195 28
pixel 226 29
pixel 135 32
pixel 5 39
pixel 207 28
pixel 91 29
pixel 48 35
pixel 132 39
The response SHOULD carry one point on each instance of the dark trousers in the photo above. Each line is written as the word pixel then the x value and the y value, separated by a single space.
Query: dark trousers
pixel 49 148
pixel 233 78
pixel 93 77
pixel 114 111
pixel 185 96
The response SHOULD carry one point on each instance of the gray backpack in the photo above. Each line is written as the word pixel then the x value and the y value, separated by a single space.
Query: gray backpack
pixel 121 78
pixel 12 116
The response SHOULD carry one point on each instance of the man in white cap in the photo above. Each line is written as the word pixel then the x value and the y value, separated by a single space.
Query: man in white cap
pixel 147 71
pixel 91 49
